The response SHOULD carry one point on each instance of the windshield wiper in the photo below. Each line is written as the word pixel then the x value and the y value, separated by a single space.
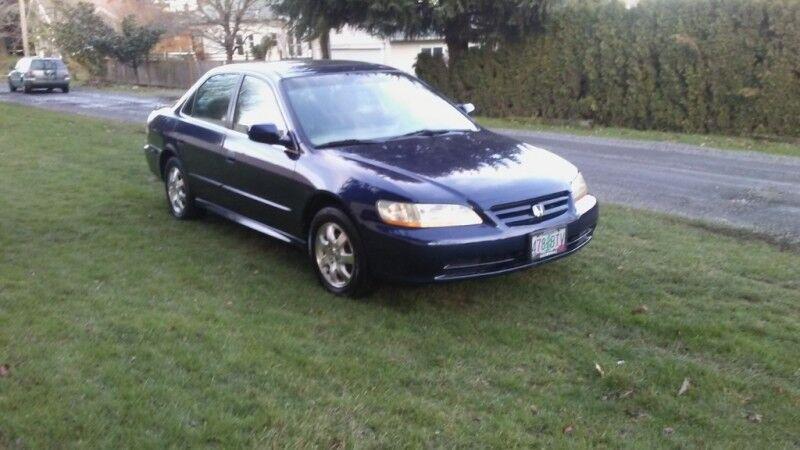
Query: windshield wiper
pixel 428 133
pixel 347 142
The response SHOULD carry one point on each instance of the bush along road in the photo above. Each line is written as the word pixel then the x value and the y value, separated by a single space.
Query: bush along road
pixel 742 189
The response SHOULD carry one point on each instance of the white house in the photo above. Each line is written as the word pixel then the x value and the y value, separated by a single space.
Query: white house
pixel 396 51
pixel 347 43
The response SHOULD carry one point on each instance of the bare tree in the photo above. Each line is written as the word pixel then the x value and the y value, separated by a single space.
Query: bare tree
pixel 9 25
pixel 221 20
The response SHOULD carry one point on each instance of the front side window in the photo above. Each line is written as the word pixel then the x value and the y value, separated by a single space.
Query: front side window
pixel 256 105
pixel 368 106
pixel 212 98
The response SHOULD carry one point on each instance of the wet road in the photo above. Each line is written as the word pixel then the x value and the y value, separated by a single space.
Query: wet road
pixel 742 189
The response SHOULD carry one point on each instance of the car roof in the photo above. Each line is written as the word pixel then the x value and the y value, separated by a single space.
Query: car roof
pixel 46 58
pixel 301 67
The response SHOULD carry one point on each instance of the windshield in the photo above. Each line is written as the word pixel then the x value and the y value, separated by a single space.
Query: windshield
pixel 368 106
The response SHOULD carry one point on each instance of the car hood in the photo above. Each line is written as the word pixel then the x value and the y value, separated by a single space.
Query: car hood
pixel 482 167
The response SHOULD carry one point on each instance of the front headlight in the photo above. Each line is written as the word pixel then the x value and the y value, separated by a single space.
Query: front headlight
pixel 419 215
pixel 578 188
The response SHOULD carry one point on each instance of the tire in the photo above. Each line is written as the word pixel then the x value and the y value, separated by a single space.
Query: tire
pixel 49 90
pixel 11 87
pixel 330 261
pixel 180 200
pixel 65 89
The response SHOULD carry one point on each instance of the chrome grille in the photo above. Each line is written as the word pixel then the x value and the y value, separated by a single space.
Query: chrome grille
pixel 521 213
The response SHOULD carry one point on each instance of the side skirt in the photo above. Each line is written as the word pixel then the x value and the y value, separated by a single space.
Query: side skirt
pixel 249 223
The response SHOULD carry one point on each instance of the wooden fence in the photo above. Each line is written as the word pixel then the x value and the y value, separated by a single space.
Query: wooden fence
pixel 168 73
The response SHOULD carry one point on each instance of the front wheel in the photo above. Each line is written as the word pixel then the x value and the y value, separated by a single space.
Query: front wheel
pixel 179 197
pixel 65 89
pixel 11 87
pixel 337 253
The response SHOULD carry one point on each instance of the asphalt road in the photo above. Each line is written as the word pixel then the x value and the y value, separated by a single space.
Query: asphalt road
pixel 741 189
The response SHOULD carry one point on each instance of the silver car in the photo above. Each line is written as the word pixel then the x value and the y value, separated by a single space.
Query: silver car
pixel 39 73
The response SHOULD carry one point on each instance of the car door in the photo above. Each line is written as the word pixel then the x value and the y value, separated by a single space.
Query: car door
pixel 261 175
pixel 199 135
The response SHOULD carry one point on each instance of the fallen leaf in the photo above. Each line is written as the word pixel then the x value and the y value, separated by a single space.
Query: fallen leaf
pixel 621 362
pixel 641 309
pixel 599 370
pixel 4 370
pixel 754 417
pixel 684 386
pixel 668 430
pixel 626 394
pixel 569 429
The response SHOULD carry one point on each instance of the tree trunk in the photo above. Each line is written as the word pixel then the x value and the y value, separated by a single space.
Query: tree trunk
pixel 456 48
pixel 456 37
pixel 230 47
pixel 325 43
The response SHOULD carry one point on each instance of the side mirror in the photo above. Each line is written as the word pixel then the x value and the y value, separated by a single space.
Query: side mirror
pixel 468 108
pixel 268 133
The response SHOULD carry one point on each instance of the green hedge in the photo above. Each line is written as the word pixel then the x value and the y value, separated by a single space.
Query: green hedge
pixel 709 66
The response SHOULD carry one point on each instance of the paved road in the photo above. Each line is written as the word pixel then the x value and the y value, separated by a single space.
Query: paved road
pixel 743 189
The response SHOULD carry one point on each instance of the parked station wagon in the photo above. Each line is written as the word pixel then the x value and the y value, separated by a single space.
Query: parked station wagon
pixel 39 73
pixel 368 170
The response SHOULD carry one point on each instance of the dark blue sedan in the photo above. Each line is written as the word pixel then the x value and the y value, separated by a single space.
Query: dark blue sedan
pixel 369 170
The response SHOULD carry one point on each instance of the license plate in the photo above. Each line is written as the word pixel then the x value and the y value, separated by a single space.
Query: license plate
pixel 548 243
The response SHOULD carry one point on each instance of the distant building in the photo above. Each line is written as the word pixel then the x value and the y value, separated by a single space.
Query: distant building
pixel 396 51
pixel 258 24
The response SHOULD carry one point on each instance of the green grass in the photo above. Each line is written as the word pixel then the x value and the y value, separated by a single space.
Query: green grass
pixel 788 148
pixel 124 328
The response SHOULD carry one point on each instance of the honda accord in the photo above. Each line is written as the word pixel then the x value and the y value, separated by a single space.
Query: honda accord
pixel 369 170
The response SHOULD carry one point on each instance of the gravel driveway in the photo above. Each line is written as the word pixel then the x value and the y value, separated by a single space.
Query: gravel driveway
pixel 742 189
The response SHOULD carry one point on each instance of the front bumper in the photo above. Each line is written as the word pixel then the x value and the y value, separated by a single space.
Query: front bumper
pixel 446 254
pixel 153 156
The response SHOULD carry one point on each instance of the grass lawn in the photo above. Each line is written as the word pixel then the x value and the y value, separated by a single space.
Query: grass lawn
pixel 704 140
pixel 120 327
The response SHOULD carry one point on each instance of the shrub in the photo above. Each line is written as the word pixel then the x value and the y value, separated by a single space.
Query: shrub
pixel 709 66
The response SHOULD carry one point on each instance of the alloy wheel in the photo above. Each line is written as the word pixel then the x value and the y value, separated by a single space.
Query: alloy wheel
pixel 176 191
pixel 334 254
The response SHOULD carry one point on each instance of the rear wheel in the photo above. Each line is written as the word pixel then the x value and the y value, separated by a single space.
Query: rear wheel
pixel 179 197
pixel 65 89
pixel 11 87
pixel 337 253
pixel 49 90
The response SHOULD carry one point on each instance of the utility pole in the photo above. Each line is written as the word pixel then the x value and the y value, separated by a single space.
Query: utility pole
pixel 23 27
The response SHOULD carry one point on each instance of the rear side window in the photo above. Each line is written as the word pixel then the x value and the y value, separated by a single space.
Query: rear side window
pixel 212 98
